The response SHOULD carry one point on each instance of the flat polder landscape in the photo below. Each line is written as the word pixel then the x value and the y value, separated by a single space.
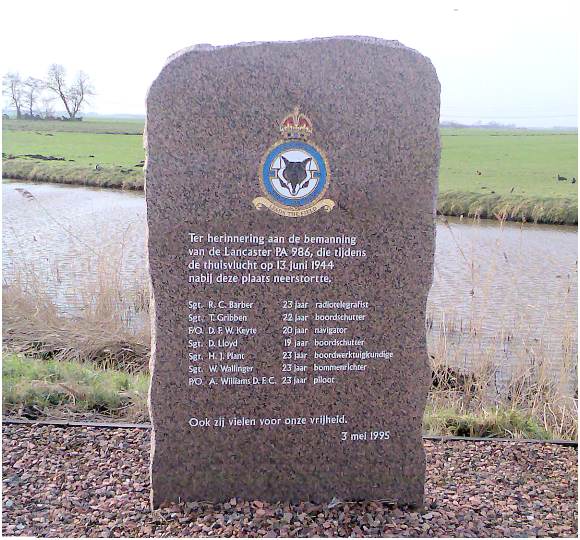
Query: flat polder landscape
pixel 501 321
pixel 510 174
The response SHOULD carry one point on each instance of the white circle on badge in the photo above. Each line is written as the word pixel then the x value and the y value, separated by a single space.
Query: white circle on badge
pixel 294 174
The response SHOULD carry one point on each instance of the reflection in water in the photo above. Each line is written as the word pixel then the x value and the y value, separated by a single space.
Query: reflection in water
pixel 505 295
pixel 67 237
pixel 501 293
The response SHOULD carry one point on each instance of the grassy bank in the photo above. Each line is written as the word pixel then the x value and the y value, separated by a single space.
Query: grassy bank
pixel 484 173
pixel 495 422
pixel 106 176
pixel 48 388
pixel 36 388
pixel 530 209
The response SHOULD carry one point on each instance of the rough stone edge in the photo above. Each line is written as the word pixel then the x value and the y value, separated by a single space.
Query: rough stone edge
pixel 365 39
pixel 208 47
pixel 152 315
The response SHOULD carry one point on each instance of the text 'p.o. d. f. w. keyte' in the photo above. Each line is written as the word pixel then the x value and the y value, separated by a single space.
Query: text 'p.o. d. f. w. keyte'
pixel 291 242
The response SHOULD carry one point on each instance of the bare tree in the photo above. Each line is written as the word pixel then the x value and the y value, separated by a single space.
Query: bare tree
pixel 12 88
pixel 74 96
pixel 79 90
pixel 32 89
pixel 56 83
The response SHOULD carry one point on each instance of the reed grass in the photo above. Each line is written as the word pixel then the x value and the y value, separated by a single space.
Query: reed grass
pixel 108 320
pixel 473 391
pixel 532 404
pixel 531 209
pixel 109 329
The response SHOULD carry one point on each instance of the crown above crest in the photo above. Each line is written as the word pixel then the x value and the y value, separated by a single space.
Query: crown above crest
pixel 296 125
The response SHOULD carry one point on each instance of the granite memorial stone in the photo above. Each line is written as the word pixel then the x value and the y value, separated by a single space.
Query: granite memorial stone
pixel 290 195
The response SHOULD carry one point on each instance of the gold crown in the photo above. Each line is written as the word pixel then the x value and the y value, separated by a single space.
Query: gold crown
pixel 296 125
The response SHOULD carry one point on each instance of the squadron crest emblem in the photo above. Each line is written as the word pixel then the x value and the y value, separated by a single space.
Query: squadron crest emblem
pixel 294 173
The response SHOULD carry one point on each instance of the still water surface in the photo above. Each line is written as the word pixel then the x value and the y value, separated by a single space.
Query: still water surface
pixel 501 293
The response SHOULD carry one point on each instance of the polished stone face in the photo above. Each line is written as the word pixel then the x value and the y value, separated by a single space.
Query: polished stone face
pixel 290 203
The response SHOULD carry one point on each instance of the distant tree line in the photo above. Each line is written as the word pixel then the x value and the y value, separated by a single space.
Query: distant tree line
pixel 34 98
pixel 479 124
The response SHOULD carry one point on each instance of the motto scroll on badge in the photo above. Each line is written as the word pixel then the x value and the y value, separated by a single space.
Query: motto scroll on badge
pixel 294 174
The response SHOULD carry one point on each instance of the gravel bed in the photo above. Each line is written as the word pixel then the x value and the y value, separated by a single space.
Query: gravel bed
pixel 62 482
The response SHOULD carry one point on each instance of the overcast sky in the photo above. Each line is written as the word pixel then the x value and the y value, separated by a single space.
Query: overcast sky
pixel 506 61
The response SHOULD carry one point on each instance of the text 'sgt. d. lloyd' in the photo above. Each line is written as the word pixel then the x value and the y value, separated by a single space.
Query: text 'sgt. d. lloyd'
pixel 290 193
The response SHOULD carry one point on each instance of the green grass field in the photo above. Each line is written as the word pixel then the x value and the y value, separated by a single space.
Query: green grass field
pixel 104 125
pixel 526 161
pixel 97 153
pixel 517 176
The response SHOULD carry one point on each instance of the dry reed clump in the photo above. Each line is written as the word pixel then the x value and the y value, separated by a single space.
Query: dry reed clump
pixel 551 397
pixel 507 207
pixel 496 378
pixel 531 401
pixel 92 310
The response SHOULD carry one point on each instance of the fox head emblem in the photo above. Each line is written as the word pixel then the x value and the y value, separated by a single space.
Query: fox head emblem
pixel 294 177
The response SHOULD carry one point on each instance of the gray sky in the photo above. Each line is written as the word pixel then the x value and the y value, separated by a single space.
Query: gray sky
pixel 507 61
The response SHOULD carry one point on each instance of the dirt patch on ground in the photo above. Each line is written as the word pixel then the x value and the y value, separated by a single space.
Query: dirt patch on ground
pixel 44 158
pixel 94 482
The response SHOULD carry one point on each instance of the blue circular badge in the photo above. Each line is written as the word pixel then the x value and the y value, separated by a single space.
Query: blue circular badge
pixel 294 173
